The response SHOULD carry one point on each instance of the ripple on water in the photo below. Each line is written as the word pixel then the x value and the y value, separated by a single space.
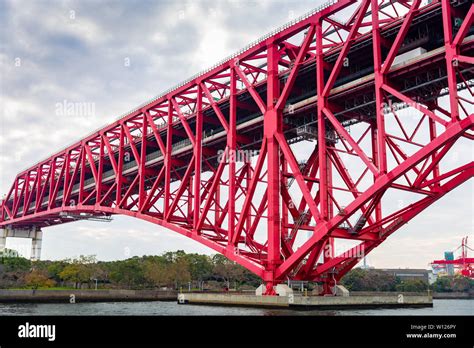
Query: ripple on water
pixel 440 307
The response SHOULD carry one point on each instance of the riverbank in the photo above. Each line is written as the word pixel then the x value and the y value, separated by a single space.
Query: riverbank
pixel 299 301
pixel 117 295
pixel 76 295
pixel 455 295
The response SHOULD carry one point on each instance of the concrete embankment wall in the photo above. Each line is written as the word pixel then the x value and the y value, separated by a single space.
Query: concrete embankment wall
pixel 388 293
pixel 453 295
pixel 435 295
pixel 307 302
pixel 86 295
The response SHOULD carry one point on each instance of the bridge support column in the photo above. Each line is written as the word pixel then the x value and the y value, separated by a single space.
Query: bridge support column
pixel 3 240
pixel 33 232
pixel 36 244
pixel 329 287
pixel 272 126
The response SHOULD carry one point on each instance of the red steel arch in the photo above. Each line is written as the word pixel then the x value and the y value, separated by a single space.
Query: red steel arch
pixel 397 73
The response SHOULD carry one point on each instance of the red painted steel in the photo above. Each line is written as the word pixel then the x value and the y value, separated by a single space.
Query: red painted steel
pixel 173 161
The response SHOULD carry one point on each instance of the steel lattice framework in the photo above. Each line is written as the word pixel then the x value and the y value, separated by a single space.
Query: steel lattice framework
pixel 174 161
pixel 463 264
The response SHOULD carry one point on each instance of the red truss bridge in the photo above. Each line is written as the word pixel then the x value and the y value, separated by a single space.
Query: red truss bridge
pixel 299 143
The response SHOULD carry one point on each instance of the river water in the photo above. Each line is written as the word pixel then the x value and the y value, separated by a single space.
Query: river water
pixel 440 307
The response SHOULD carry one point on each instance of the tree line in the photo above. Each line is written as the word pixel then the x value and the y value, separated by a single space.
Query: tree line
pixel 360 279
pixel 171 270
pixel 179 270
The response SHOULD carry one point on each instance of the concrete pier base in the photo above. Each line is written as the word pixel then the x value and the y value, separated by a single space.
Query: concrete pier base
pixel 307 302
pixel 280 289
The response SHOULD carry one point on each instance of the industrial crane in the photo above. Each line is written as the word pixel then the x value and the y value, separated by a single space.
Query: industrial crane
pixel 463 265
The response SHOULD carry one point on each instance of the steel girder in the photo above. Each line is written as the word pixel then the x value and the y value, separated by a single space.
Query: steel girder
pixel 173 161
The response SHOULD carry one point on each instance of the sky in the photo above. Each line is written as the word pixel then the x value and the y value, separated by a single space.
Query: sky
pixel 111 56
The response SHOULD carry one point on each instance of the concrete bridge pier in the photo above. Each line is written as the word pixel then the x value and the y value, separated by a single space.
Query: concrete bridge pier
pixel 34 233
pixel 3 239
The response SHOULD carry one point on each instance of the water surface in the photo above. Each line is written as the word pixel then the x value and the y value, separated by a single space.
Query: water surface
pixel 440 307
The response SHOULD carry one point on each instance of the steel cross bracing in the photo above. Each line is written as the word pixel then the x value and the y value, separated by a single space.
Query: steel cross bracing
pixel 340 113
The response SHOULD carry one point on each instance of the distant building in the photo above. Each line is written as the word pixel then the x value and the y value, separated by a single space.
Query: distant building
pixel 449 256
pixel 408 273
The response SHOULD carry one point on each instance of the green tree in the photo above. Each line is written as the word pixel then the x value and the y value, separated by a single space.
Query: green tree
pixel 179 272
pixel 79 271
pixel 442 284
pixel 456 283
pixel 172 256
pixel 412 285
pixel 72 273
pixel 55 268
pixel 227 270
pixel 36 279
pixel 462 284
pixel 359 279
pixel 200 266
pixel 156 271
pixel 129 273
pixel 15 264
